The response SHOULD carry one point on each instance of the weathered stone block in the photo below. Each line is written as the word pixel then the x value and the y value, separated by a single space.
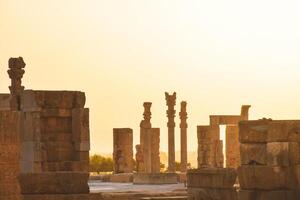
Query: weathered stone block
pixel 253 154
pixel 222 178
pixel 268 195
pixel 155 178
pixel 54 183
pixel 209 193
pixel 121 178
pixel 284 131
pixel 80 124
pixel 283 153
pixel 253 131
pixel 56 112
pixel 82 146
pixel 266 177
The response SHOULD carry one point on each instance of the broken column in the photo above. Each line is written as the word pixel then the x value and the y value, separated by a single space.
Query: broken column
pixel 10 148
pixel 270 160
pixel 123 150
pixel 171 102
pixel 183 137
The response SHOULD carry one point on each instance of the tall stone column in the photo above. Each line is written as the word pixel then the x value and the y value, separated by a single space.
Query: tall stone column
pixel 15 72
pixel 183 137
pixel 171 102
pixel 145 138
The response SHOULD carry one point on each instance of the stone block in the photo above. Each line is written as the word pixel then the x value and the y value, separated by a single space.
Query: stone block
pixel 284 131
pixel 10 153
pixel 253 131
pixel 268 195
pixel 56 124
pixel 121 178
pixel 56 112
pixel 154 178
pixel 31 126
pixel 82 146
pixel 283 153
pixel 222 178
pixel 252 154
pixel 80 124
pixel 210 193
pixel 54 183
pixel 266 177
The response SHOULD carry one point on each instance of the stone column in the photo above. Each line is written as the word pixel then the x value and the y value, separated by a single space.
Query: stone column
pixel 183 137
pixel 155 159
pixel 145 138
pixel 15 73
pixel 171 101
pixel 123 150
pixel 232 146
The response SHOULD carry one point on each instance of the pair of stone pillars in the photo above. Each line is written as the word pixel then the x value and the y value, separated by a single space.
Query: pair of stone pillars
pixel 171 102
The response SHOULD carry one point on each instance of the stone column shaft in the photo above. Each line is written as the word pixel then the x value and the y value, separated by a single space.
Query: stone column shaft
pixel 171 101
pixel 183 137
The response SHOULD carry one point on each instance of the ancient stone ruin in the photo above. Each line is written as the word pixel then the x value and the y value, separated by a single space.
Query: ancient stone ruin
pixel 123 150
pixel 270 158
pixel 210 147
pixel 183 137
pixel 171 102
pixel 10 148
pixel 53 135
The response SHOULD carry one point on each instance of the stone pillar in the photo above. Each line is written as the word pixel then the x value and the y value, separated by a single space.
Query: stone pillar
pixel 123 150
pixel 155 141
pixel 145 138
pixel 183 137
pixel 15 73
pixel 171 102
pixel 210 147
pixel 232 146
pixel 10 155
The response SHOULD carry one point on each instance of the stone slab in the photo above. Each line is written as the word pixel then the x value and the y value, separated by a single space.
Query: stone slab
pixel 215 194
pixel 268 195
pixel 253 131
pixel 155 178
pixel 267 177
pixel 121 178
pixel 222 178
pixel 54 183
pixel 253 153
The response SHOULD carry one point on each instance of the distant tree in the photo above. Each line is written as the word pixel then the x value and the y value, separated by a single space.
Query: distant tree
pixel 99 164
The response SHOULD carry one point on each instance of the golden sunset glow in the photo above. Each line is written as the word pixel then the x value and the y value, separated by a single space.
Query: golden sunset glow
pixel 217 55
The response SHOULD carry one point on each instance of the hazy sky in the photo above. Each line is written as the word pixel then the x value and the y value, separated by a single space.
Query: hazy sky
pixel 216 55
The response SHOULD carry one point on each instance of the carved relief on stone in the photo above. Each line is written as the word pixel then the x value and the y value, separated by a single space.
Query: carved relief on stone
pixel 139 158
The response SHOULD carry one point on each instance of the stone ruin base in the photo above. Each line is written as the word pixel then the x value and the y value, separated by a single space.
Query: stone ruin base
pixel 109 196
pixel 268 195
pixel 54 183
pixel 211 183
pixel 155 178
pixel 121 178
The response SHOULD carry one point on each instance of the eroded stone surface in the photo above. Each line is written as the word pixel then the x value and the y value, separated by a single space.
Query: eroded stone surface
pixel 123 150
